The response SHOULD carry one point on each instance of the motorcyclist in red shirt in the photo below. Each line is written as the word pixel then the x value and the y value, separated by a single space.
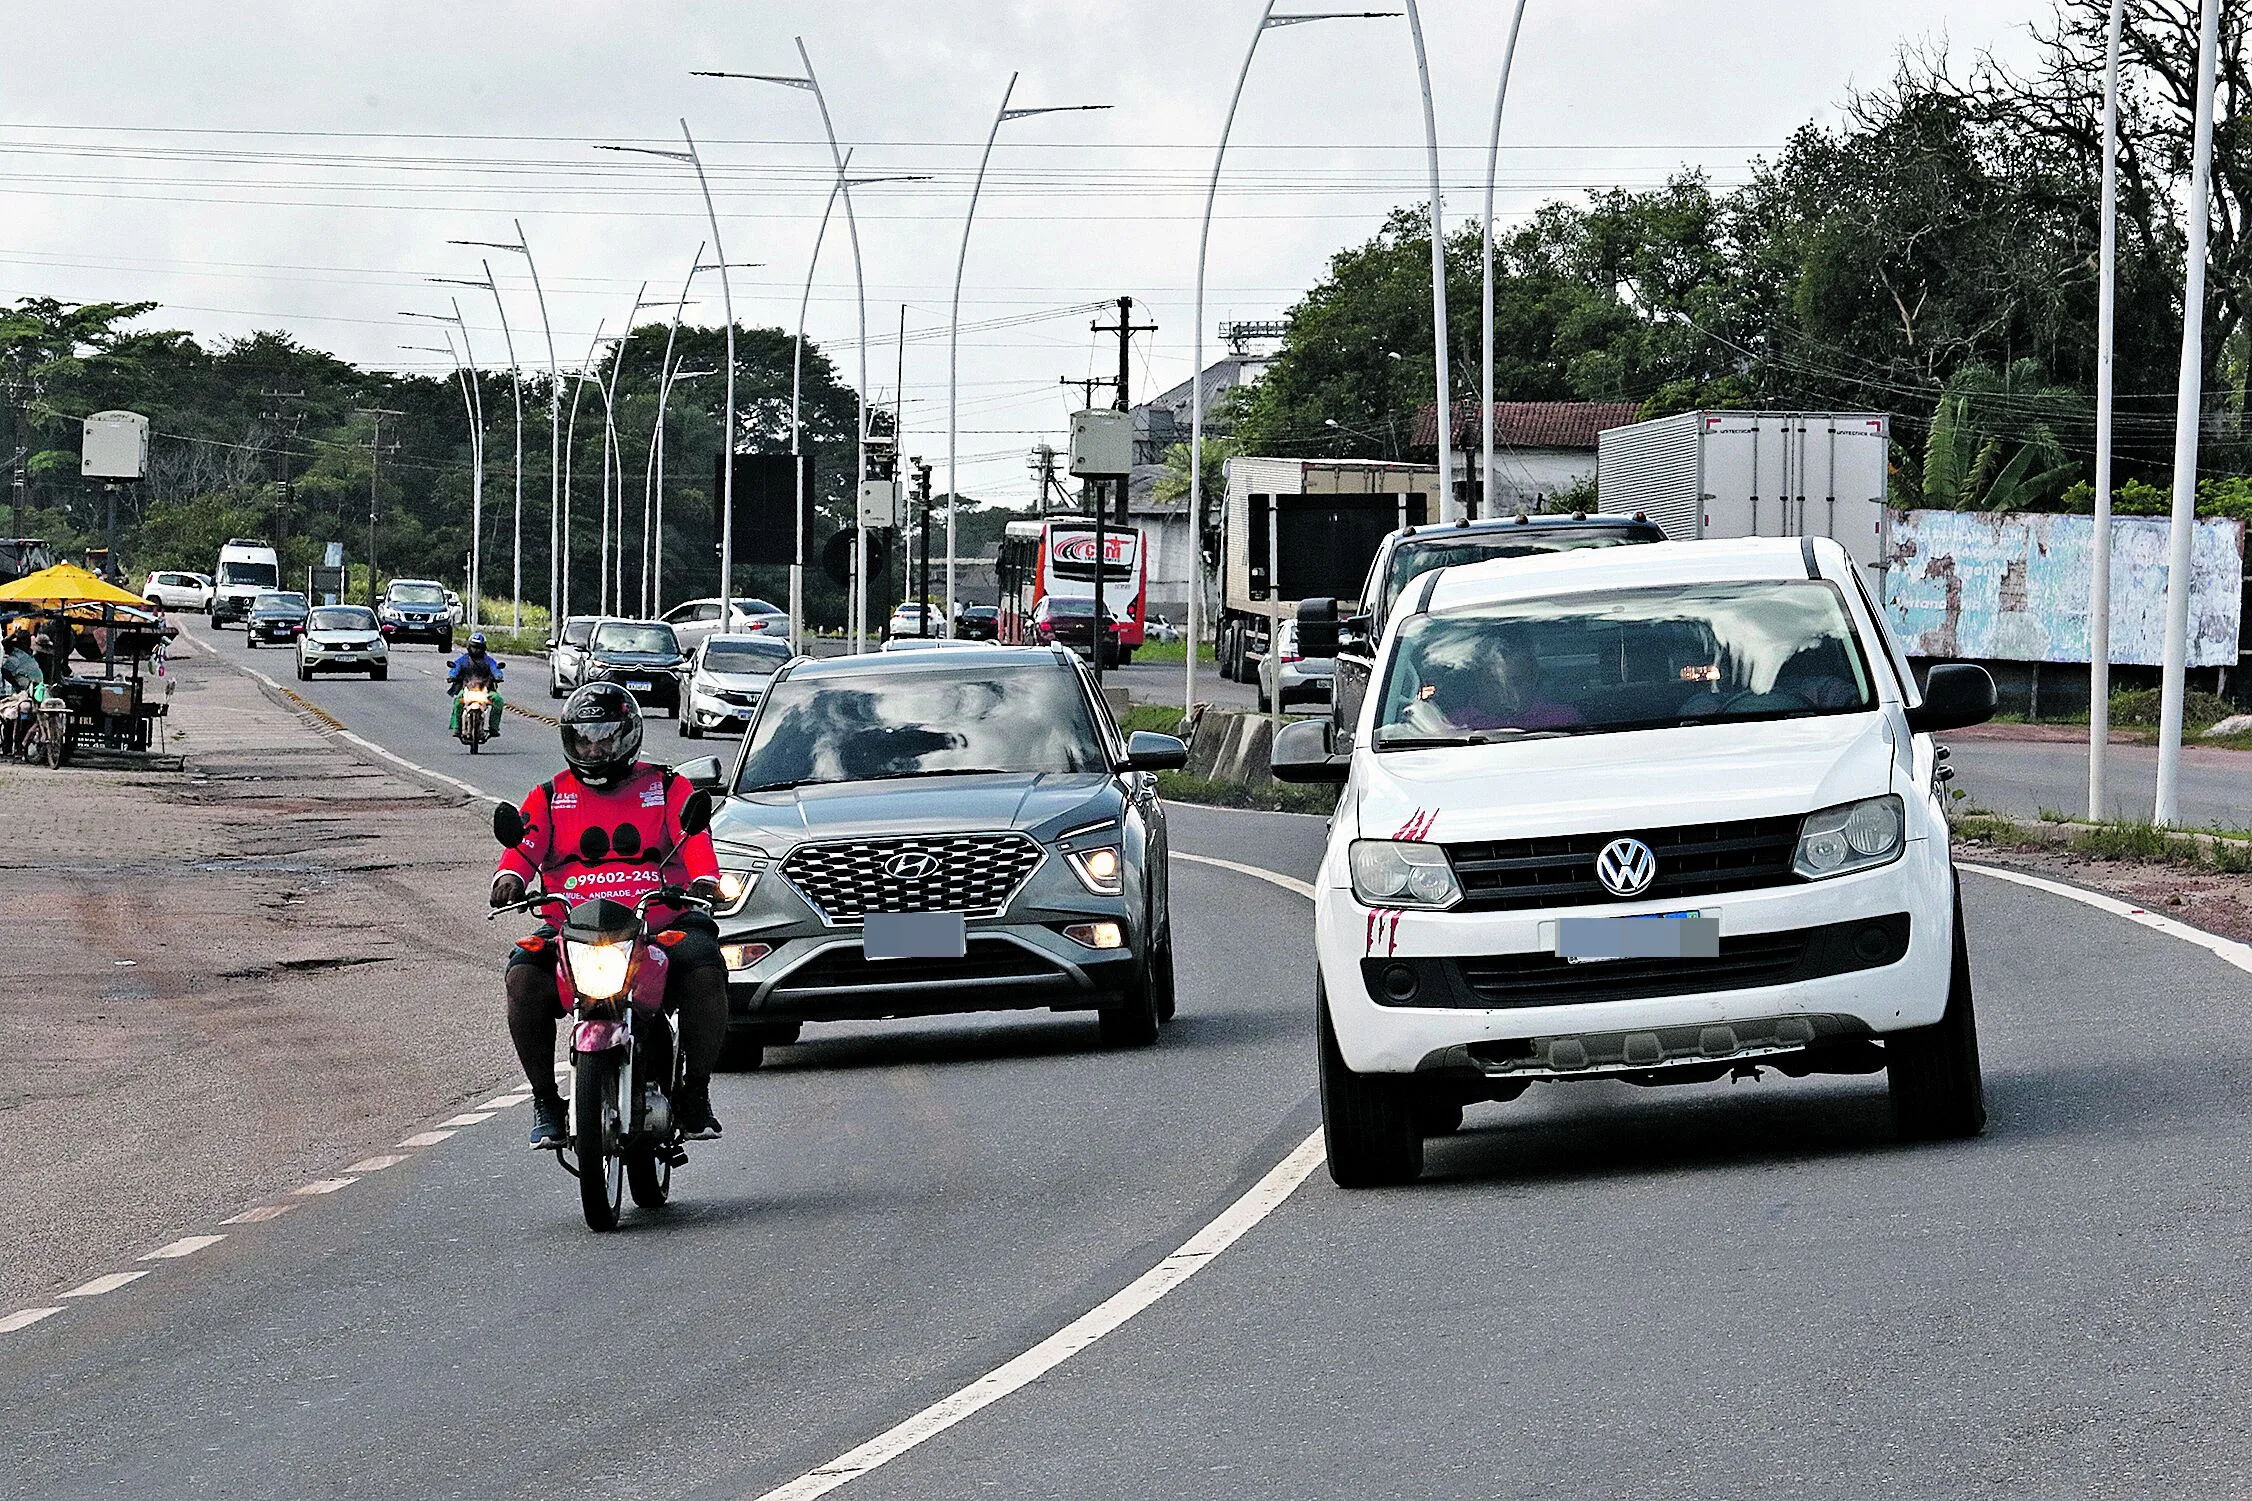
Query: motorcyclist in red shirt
pixel 604 828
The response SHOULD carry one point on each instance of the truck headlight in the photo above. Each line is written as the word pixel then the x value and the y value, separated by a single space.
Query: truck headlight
pixel 1850 837
pixel 1395 873
pixel 598 970
pixel 1101 870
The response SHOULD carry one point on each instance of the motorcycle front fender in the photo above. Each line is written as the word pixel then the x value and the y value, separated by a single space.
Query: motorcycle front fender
pixel 598 1036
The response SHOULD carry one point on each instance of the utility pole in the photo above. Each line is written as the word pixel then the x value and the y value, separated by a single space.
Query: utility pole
pixel 923 543
pixel 375 465
pixel 1125 328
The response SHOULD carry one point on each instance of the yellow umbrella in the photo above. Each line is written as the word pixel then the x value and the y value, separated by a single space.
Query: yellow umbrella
pixel 65 584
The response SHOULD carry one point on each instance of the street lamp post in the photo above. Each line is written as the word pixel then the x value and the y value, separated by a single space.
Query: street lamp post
pixel 2188 408
pixel 523 247
pixel 652 490
pixel 570 437
pixel 954 316
pixel 1268 21
pixel 1486 279
pixel 655 589
pixel 472 406
pixel 1450 507
pixel 727 297
pixel 2099 556
pixel 516 382
pixel 477 448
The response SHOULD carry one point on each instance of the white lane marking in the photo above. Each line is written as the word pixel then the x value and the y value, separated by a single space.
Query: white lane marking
pixel 186 1245
pixel 377 1164
pixel 503 1101
pixel 426 1138
pixel 1271 877
pixel 1195 1254
pixel 366 744
pixel 468 1118
pixel 2227 950
pixel 325 1186
pixel 259 1215
pixel 107 1284
pixel 24 1318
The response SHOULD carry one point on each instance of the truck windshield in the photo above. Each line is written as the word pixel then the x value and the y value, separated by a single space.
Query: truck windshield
pixel 921 721
pixel 1417 556
pixel 1632 659
pixel 260 575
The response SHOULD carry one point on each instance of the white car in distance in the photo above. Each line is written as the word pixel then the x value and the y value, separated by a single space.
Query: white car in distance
pixel 909 619
pixel 342 638
pixel 727 677
pixel 1663 814
pixel 172 590
pixel 693 620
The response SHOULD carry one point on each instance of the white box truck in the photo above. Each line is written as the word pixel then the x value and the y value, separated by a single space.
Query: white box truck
pixel 1755 474
pixel 248 567
pixel 1293 529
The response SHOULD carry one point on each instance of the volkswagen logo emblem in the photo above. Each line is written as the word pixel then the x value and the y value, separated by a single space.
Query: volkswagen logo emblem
pixel 921 865
pixel 1626 867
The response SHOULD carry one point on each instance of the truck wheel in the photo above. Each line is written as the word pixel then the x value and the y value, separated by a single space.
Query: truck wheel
pixel 1367 1121
pixel 1266 702
pixel 1224 649
pixel 1938 1093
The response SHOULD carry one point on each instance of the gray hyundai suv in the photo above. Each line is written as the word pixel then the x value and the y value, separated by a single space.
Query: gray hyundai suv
pixel 916 833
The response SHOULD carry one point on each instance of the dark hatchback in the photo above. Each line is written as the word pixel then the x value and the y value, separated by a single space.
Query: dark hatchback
pixel 1069 621
pixel 641 656
pixel 925 833
pixel 979 623
pixel 276 618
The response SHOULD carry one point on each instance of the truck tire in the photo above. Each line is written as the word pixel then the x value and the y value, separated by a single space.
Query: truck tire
pixel 1368 1120
pixel 1938 1092
pixel 1227 649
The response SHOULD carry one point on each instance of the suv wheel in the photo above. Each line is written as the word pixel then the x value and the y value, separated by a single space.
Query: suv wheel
pixel 1131 1021
pixel 1368 1121
pixel 1938 1093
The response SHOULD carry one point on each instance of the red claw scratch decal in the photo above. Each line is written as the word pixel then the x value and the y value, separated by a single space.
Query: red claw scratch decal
pixel 1418 827
pixel 1384 927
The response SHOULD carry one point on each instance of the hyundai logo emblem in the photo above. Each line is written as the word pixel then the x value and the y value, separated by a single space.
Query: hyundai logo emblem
pixel 1626 867
pixel 913 865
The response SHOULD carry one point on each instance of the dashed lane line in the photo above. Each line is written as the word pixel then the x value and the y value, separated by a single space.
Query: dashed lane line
pixel 186 1245
pixel 259 1215
pixel 378 1163
pixel 324 1186
pixel 425 1139
pixel 24 1318
pixel 108 1283
pixel 469 1118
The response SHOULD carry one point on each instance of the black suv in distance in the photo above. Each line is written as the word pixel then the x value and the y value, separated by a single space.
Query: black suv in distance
pixel 641 656
pixel 922 833
pixel 415 610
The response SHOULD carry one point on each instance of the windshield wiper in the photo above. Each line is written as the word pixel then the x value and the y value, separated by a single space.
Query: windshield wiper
pixel 1466 737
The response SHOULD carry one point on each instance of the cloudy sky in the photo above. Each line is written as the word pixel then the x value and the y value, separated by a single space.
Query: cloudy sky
pixel 302 166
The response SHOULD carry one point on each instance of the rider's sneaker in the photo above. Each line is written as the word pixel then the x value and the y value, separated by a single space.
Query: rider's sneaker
pixel 549 1133
pixel 694 1113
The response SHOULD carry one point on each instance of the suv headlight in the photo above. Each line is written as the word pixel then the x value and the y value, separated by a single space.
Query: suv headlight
pixel 1850 837
pixel 738 875
pixel 598 970
pixel 1394 873
pixel 1102 870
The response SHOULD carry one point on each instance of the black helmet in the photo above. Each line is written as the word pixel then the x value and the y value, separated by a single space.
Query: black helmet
pixel 601 734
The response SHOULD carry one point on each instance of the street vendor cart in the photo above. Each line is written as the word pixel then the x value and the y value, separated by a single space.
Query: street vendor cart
pixel 111 636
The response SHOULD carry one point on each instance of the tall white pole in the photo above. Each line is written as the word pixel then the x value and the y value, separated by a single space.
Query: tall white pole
pixel 954 346
pixel 613 458
pixel 1486 280
pixel 653 515
pixel 477 477
pixel 2099 564
pixel 727 447
pixel 797 428
pixel 1450 508
pixel 2188 405
pixel 570 437
pixel 516 381
pixel 554 441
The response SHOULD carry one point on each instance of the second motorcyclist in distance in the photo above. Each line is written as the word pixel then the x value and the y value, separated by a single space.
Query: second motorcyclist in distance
pixel 609 826
pixel 476 668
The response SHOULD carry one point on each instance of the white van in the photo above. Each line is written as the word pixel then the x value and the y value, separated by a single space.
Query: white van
pixel 1665 814
pixel 247 568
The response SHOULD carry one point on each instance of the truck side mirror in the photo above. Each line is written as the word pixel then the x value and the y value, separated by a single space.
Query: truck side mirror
pixel 1304 751
pixel 1317 627
pixel 1955 694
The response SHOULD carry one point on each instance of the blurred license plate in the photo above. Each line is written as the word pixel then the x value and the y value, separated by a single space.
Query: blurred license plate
pixel 638 685
pixel 915 935
pixel 1660 935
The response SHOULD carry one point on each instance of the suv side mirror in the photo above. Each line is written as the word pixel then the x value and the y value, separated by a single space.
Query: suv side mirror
pixel 508 825
pixel 702 773
pixel 1305 751
pixel 1317 627
pixel 1146 750
pixel 1955 694
pixel 696 814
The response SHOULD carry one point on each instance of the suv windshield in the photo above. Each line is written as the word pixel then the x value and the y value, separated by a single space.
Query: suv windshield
pixel 745 656
pixel 1415 557
pixel 281 602
pixel 264 575
pixel 343 618
pixel 1632 659
pixel 416 594
pixel 626 635
pixel 921 721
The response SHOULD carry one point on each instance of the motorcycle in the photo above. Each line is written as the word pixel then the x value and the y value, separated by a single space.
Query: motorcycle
pixel 476 717
pixel 626 1061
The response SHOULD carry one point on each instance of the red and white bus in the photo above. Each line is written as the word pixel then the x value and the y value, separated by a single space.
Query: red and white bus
pixel 1055 559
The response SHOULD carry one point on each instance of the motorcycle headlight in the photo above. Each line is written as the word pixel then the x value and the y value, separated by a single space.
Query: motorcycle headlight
pixel 1850 837
pixel 598 970
pixel 1394 873
pixel 1101 870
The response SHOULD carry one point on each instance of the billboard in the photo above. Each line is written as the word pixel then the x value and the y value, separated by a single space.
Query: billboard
pixel 766 487
pixel 2012 586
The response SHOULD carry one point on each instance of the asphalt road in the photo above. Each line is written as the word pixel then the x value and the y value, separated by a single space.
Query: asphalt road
pixel 1595 1291
pixel 2026 777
